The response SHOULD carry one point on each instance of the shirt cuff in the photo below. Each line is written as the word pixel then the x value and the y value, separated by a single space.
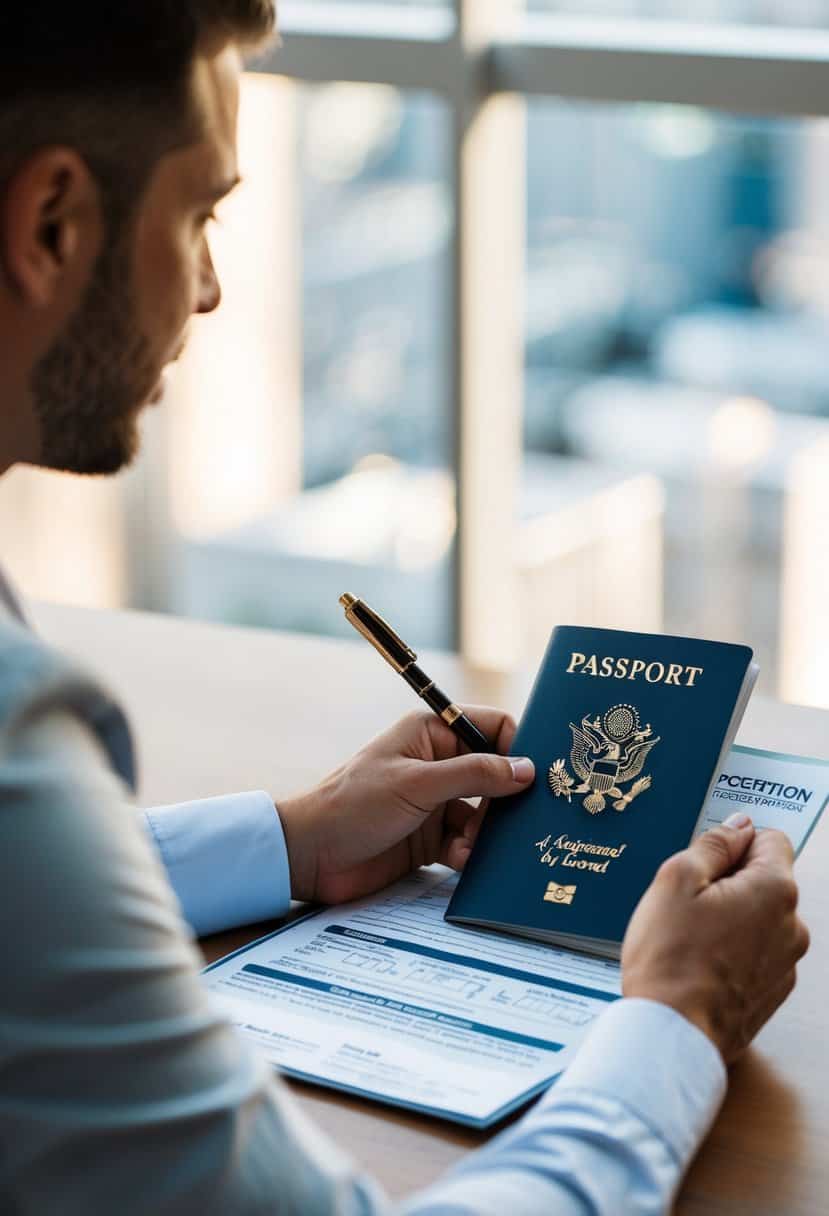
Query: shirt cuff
pixel 226 859
pixel 663 1069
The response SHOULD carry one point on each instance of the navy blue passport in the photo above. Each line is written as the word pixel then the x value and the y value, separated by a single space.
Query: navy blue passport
pixel 628 732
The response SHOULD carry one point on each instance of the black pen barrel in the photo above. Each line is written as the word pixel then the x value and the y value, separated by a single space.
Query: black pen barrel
pixel 426 688
pixel 469 734
pixel 451 714
pixel 404 660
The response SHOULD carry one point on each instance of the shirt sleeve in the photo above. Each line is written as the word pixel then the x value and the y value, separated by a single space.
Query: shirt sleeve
pixel 126 1089
pixel 615 1134
pixel 226 860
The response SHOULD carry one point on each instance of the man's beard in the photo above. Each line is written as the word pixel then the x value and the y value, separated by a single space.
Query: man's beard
pixel 88 388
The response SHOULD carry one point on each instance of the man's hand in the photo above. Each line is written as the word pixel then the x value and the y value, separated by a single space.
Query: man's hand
pixel 396 806
pixel 717 935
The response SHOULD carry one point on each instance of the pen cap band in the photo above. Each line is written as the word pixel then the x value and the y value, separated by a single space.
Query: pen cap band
pixel 375 630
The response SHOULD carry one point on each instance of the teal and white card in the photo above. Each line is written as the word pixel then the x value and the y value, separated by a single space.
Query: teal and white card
pixel 789 793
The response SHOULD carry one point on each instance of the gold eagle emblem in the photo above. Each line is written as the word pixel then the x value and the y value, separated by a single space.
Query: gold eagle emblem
pixel 607 753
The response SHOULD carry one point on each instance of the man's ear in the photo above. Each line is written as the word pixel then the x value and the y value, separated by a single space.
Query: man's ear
pixel 50 227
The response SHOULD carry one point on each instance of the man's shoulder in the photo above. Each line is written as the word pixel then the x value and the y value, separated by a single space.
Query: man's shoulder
pixel 37 679
pixel 29 669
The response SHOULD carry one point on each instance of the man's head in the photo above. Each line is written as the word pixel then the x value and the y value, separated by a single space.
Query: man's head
pixel 117 140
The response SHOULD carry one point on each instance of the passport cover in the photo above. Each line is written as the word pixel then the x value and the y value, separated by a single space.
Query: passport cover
pixel 625 730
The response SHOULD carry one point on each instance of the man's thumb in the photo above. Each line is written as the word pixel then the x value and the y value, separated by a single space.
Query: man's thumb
pixel 718 851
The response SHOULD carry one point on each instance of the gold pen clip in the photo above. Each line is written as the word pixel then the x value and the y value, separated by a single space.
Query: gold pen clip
pixel 375 630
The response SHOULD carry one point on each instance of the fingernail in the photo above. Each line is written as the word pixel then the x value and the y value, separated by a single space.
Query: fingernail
pixel 738 821
pixel 523 770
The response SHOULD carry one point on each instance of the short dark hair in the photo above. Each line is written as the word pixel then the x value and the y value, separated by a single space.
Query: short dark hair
pixel 109 79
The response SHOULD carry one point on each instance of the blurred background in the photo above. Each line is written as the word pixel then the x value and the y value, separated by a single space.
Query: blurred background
pixel 673 471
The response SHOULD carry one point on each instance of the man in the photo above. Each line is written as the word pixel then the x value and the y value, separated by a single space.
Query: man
pixel 120 1087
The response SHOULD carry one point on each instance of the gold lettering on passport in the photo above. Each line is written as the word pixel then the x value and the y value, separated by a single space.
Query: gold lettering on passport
pixel 609 667
pixel 578 854
pixel 606 753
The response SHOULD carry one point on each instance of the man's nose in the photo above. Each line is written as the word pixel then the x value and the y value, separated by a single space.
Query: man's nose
pixel 210 291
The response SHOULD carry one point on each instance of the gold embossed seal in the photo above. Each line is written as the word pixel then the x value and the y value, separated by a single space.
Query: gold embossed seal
pixel 607 752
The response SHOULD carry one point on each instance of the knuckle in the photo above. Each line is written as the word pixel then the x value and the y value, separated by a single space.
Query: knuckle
pixel 489 771
pixel 497 769
pixel 788 892
pixel 675 870
pixel 715 842
pixel 803 941
pixel 781 844
pixel 414 721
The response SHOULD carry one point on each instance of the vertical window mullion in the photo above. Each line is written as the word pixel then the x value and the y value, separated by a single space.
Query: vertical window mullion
pixel 487 351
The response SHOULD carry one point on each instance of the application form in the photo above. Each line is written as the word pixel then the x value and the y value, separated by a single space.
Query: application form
pixel 384 999
pixel 789 793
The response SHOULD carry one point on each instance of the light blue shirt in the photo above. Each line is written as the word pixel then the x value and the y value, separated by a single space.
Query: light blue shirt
pixel 226 860
pixel 123 1089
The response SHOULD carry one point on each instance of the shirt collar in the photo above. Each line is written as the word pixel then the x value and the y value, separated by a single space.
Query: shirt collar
pixel 9 599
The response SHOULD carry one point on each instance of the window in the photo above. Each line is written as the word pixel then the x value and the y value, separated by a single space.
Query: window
pixel 597 225
pixel 354 489
pixel 677 383
pixel 807 13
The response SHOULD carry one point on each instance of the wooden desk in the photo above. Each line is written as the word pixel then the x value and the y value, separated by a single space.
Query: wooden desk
pixel 218 710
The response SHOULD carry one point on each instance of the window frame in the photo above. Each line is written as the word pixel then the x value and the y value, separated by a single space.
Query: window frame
pixel 484 58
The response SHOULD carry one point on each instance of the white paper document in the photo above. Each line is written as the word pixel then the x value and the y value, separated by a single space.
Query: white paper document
pixel 384 999
pixel 789 793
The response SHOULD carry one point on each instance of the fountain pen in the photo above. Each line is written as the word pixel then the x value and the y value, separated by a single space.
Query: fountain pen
pixel 404 661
